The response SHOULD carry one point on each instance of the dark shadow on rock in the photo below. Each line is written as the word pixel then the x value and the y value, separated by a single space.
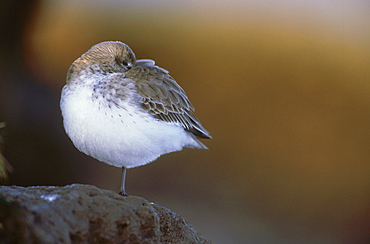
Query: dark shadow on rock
pixel 86 214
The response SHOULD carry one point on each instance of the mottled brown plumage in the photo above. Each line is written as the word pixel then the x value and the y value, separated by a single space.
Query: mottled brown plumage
pixel 163 97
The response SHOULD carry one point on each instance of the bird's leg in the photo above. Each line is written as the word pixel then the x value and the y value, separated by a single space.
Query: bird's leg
pixel 123 188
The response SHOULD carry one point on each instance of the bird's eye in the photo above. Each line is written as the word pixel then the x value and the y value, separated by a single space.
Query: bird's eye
pixel 127 64
pixel 124 62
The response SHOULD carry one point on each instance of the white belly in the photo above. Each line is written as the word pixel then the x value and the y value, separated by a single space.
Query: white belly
pixel 120 136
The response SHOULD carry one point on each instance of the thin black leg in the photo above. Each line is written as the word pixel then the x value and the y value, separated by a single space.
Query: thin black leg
pixel 123 188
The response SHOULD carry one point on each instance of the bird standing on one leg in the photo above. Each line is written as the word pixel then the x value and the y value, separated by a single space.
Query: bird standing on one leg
pixel 126 112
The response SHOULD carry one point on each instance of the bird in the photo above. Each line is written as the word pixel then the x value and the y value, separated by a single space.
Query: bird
pixel 126 112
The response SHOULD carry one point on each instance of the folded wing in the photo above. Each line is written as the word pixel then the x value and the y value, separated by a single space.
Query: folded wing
pixel 164 98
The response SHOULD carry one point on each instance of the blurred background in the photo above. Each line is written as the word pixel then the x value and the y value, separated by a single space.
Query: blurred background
pixel 282 86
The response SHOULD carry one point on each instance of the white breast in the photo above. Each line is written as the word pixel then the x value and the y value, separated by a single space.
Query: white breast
pixel 120 136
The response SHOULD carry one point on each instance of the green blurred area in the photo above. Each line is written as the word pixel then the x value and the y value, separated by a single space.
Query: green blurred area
pixel 287 102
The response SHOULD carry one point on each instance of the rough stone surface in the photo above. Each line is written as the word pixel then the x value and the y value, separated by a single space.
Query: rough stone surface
pixel 86 214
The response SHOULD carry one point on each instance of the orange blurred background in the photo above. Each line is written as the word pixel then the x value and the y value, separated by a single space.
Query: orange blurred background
pixel 283 87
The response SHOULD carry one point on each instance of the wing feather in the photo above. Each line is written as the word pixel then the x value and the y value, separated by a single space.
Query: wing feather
pixel 164 98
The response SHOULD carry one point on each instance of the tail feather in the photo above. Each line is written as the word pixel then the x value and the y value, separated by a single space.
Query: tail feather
pixel 195 143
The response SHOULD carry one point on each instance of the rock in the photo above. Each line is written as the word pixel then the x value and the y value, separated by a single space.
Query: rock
pixel 86 214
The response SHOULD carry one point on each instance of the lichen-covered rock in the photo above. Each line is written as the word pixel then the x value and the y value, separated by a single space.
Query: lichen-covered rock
pixel 86 214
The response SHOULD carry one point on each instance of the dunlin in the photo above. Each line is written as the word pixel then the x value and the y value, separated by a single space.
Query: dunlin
pixel 126 112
